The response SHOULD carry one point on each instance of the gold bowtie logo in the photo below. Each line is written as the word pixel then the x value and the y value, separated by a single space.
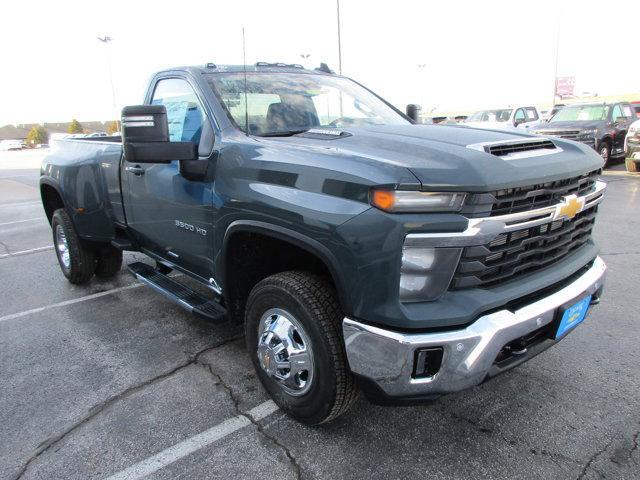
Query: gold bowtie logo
pixel 570 206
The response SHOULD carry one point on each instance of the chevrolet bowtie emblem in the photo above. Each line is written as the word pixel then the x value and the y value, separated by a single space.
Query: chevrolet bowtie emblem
pixel 569 207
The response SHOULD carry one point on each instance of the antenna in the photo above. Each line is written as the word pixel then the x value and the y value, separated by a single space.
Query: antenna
pixel 244 68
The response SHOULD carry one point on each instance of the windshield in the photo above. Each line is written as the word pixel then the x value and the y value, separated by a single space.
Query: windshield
pixel 490 116
pixel 289 103
pixel 581 113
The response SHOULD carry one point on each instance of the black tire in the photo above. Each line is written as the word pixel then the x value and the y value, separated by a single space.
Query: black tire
pixel 81 260
pixel 605 152
pixel 312 300
pixel 109 262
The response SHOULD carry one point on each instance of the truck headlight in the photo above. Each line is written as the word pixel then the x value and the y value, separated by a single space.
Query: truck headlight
pixel 589 132
pixel 405 201
pixel 425 273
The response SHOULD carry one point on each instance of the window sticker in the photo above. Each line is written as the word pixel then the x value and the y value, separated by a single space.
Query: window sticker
pixel 176 114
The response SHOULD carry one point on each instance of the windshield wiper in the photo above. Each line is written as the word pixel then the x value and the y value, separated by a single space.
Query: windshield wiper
pixel 284 133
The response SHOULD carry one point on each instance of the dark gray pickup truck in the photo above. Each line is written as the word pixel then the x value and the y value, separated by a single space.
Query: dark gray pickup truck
pixel 361 251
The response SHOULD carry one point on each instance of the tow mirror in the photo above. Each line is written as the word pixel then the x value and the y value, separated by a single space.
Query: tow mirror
pixel 413 112
pixel 620 120
pixel 145 136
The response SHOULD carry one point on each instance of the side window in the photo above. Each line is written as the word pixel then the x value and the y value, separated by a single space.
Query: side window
pixel 185 115
pixel 627 111
pixel 617 112
pixel 532 114
pixel 519 117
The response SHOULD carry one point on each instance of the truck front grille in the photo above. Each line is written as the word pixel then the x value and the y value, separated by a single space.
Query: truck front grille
pixel 523 251
pixel 569 134
pixel 522 199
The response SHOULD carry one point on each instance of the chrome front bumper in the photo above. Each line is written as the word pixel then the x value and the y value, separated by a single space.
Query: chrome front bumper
pixel 387 358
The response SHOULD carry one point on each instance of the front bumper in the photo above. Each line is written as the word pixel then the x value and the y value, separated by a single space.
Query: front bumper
pixel 384 359
pixel 631 145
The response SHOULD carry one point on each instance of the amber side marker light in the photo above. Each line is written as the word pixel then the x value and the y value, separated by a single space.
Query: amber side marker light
pixel 383 199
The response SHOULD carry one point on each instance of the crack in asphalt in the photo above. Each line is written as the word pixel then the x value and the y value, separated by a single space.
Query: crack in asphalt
pixel 6 248
pixel 511 441
pixel 259 427
pixel 634 447
pixel 104 405
pixel 592 459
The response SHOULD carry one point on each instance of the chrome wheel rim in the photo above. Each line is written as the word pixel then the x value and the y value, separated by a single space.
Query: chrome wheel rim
pixel 62 246
pixel 284 351
pixel 604 153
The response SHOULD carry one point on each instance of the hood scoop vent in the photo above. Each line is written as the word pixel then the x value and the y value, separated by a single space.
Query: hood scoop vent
pixel 518 149
pixel 324 133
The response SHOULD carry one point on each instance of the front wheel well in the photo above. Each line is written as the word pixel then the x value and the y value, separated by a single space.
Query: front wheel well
pixel 51 200
pixel 251 257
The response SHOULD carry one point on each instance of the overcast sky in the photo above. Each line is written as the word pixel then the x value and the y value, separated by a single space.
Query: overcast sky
pixel 449 55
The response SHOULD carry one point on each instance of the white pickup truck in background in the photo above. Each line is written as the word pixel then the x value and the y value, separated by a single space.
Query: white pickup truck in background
pixel 505 118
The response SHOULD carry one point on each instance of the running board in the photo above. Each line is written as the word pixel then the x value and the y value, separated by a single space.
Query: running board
pixel 178 293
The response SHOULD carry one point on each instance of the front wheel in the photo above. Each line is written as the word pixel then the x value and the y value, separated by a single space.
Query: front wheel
pixel 605 152
pixel 293 330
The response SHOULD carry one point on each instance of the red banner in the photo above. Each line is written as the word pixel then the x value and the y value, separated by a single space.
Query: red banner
pixel 564 86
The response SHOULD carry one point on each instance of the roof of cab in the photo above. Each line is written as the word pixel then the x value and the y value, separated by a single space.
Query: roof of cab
pixel 258 67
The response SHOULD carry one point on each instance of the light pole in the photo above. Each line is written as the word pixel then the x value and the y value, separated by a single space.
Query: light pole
pixel 555 75
pixel 339 39
pixel 106 40
pixel 422 85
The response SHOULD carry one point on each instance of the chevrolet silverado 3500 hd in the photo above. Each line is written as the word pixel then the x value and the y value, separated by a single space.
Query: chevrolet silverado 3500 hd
pixel 361 251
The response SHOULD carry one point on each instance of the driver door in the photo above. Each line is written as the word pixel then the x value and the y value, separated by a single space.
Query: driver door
pixel 170 215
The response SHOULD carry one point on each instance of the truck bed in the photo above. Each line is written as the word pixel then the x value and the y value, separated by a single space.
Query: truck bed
pixel 87 170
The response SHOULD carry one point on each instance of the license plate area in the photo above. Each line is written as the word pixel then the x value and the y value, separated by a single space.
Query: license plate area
pixel 570 315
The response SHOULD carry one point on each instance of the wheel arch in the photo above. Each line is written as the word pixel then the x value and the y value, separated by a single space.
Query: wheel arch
pixel 287 236
pixel 606 139
pixel 51 197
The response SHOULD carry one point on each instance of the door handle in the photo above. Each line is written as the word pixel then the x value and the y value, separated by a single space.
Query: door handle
pixel 136 170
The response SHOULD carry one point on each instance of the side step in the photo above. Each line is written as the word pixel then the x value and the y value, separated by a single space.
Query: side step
pixel 122 243
pixel 180 294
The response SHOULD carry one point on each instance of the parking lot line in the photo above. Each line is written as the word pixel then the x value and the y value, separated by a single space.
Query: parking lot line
pixel 22 204
pixel 195 443
pixel 23 221
pixel 68 302
pixel 26 252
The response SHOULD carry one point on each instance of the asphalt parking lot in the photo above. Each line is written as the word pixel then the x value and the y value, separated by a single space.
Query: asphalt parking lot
pixel 111 380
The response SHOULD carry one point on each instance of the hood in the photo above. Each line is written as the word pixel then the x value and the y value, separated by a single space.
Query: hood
pixel 571 125
pixel 439 157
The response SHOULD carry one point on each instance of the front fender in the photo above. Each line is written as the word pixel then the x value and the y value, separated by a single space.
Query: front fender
pixel 335 266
